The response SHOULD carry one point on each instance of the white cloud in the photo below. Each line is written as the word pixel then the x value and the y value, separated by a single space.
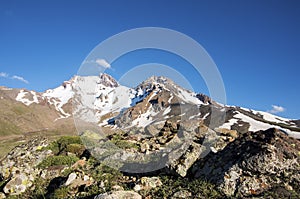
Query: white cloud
pixel 20 79
pixel 2 74
pixel 15 77
pixel 276 109
pixel 103 63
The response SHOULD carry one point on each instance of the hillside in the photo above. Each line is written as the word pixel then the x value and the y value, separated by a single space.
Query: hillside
pixel 157 140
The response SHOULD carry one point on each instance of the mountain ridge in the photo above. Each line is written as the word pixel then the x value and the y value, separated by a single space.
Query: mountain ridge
pixel 60 98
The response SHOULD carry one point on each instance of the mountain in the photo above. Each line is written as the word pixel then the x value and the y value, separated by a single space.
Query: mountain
pixel 159 99
pixel 106 103
pixel 150 135
pixel 155 99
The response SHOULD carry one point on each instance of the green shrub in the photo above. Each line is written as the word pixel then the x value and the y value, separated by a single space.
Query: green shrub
pixel 61 145
pixel 106 174
pixel 57 160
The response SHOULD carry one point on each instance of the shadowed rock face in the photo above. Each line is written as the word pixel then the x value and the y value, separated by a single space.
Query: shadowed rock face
pixel 252 164
pixel 107 80
pixel 297 122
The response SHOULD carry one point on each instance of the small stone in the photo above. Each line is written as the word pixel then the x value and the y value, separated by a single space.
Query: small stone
pixel 182 194
pixel 2 195
pixel 117 188
pixel 119 195
pixel 86 178
pixel 17 185
pixel 137 187
pixel 145 147
pixel 102 185
pixel 152 182
pixel 288 187
pixel 71 178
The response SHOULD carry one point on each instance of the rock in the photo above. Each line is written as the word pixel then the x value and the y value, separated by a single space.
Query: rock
pixel 117 188
pixel 182 164
pixel 119 195
pixel 86 178
pixel 252 164
pixel 182 194
pixel 137 187
pixel 150 182
pixel 227 132
pixel 70 179
pixel 2 195
pixel 188 125
pixel 204 98
pixel 53 171
pixel 107 80
pixel 144 147
pixel 155 128
pixel 17 185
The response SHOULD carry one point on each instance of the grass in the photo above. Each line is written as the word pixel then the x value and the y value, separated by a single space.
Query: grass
pixel 7 145
pixel 8 128
pixel 19 109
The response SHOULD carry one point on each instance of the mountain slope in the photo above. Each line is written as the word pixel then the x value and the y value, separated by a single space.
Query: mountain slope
pixel 111 105
pixel 166 141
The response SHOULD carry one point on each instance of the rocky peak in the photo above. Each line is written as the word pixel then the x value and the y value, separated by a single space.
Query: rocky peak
pixel 204 98
pixel 107 80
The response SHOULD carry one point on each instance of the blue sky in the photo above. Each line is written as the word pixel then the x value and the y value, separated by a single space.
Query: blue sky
pixel 255 44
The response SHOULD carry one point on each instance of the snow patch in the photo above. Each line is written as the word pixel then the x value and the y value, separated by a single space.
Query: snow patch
pixel 21 97
pixel 229 124
pixel 254 124
pixel 188 96
pixel 144 119
pixel 59 97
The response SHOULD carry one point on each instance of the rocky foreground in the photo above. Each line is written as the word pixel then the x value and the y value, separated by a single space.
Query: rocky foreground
pixel 263 164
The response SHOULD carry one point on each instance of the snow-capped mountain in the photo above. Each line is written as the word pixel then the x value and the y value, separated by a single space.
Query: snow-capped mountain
pixel 158 99
pixel 103 101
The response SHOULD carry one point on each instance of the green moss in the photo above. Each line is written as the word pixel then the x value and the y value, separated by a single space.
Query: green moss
pixel 77 149
pixel 61 145
pixel 121 141
pixel 57 160
pixel 123 144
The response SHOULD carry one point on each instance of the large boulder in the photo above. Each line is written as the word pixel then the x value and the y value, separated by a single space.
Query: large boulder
pixel 119 195
pixel 252 164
